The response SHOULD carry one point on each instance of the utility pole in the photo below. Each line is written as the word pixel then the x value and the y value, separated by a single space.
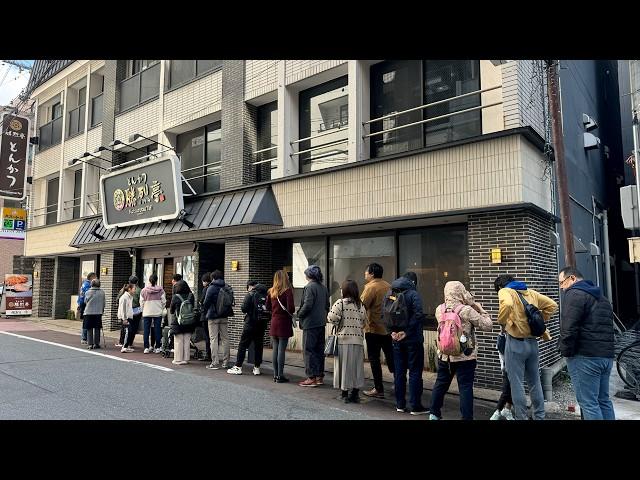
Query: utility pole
pixel 561 168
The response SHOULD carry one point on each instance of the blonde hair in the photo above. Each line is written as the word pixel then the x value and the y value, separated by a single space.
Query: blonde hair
pixel 280 284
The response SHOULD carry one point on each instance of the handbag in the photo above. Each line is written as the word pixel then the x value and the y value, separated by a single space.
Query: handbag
pixel 331 345
pixel 293 319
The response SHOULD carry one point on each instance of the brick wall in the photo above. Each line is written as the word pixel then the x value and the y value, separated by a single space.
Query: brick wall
pixel 119 267
pixel 43 287
pixel 66 275
pixel 23 265
pixel 523 237
pixel 9 249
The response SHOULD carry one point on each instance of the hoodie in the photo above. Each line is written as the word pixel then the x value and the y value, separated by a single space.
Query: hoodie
pixel 414 307
pixel 586 322
pixel 125 307
pixel 511 314
pixel 152 301
pixel 248 307
pixel 472 315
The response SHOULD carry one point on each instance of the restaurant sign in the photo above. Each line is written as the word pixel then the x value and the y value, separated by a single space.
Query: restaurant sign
pixel 14 148
pixel 143 193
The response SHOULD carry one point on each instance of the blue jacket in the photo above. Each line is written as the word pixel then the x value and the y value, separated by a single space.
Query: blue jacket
pixel 414 306
pixel 86 285
pixel 211 298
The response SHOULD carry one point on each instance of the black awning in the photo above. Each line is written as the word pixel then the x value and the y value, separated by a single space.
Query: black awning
pixel 247 207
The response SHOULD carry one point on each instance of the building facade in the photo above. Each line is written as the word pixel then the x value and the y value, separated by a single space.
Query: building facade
pixel 423 165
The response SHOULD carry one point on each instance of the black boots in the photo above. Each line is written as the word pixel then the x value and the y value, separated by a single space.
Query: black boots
pixel 352 397
pixel 280 379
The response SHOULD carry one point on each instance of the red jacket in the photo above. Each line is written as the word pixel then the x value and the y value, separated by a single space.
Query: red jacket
pixel 280 319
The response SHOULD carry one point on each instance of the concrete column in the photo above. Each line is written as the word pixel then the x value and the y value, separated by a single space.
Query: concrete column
pixel 288 128
pixel 359 100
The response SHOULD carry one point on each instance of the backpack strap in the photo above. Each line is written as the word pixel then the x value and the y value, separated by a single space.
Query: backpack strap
pixel 524 302
pixel 458 309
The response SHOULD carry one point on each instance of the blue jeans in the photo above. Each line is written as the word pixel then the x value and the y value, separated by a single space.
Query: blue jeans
pixel 522 362
pixel 464 371
pixel 157 330
pixel 590 378
pixel 411 356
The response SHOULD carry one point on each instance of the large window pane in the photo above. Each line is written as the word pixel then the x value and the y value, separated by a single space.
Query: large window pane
pixel 130 92
pixel 45 135
pixel 436 255
pixel 307 252
pixel 56 131
pixel 396 86
pixel 188 272
pixel 150 79
pixel 52 201
pixel 190 147
pixel 323 110
pixel 213 157
pixel 206 65
pixel 181 71
pixel 450 78
pixel 96 110
pixel 348 258
pixel 267 138
pixel 77 189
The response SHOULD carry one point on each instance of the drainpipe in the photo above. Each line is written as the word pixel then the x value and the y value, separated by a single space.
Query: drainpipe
pixel 547 377
pixel 593 222
pixel 605 224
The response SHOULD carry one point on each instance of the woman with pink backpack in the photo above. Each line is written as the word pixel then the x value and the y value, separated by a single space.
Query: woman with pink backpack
pixel 458 318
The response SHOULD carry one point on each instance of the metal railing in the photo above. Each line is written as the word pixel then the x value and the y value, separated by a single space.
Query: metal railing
pixel 92 204
pixel 73 205
pixel 432 119
pixel 270 159
pixel 50 133
pixel 45 212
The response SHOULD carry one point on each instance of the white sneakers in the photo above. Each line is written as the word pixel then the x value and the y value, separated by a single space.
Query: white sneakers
pixel 157 350
pixel 496 415
pixel 148 350
pixel 256 370
pixel 118 345
pixel 235 370
pixel 126 350
pixel 506 413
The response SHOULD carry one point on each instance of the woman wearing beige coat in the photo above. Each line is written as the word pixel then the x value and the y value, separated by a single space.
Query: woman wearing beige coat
pixel 463 366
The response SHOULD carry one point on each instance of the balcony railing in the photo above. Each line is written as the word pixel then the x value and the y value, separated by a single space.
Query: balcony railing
pixel 50 133
pixel 74 206
pixel 140 87
pixel 92 205
pixel 49 212
pixel 96 110
pixel 211 169
pixel 76 120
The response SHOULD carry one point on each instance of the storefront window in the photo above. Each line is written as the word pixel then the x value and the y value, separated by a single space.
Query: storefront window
pixel 348 258
pixel 305 253
pixel 436 255
pixel 152 265
pixel 184 266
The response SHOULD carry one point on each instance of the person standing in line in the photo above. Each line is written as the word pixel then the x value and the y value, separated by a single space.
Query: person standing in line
pixel 461 363
pixel 350 316
pixel 152 301
pixel 206 281
pixel 181 333
pixel 312 315
pixel 521 352
pixel 86 285
pixel 137 312
pixel 587 342
pixel 282 307
pixel 125 314
pixel 94 309
pixel 376 333
pixel 218 321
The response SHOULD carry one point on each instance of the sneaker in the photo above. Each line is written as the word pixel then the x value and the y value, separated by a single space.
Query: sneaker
pixel 373 393
pixel 401 410
pixel 126 350
pixel 83 342
pixel 96 346
pixel 319 380
pixel 282 380
pixel 256 370
pixel 309 382
pixel 419 411
pixel 433 417
pixel 181 362
pixel 157 350
pixel 213 366
pixel 235 370
pixel 118 345
pixel 506 413
pixel 496 415
pixel 147 350
pixel 90 347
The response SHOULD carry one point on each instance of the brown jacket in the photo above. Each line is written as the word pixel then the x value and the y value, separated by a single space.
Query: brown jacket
pixel 372 297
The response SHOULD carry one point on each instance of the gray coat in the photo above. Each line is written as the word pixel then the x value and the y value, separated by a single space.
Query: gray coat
pixel 94 301
pixel 314 306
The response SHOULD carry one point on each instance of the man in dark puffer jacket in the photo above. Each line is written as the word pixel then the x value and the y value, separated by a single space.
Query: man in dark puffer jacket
pixel 586 339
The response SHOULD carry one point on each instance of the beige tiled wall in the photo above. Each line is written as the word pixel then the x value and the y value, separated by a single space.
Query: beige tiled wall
pixel 94 138
pixel 53 239
pixel 300 69
pixel 143 120
pixel 261 76
pixel 193 101
pixel 73 148
pixel 47 162
pixel 483 174
pixel 77 75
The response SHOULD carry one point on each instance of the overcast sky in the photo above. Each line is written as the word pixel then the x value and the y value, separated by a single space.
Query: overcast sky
pixel 12 81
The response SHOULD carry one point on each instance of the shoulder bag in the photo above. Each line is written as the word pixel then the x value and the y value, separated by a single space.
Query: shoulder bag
pixel 293 319
pixel 331 345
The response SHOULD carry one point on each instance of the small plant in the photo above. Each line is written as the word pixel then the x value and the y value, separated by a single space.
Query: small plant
pixel 292 344
pixel 432 357
pixel 71 315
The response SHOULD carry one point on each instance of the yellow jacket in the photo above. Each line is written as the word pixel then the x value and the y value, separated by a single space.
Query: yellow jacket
pixel 513 317
pixel 372 297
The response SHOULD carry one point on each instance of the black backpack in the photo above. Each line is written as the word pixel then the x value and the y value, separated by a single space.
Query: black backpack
pixel 395 313
pixel 534 317
pixel 259 304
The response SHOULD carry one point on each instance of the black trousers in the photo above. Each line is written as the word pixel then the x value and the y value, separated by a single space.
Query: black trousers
pixel 505 396
pixel 313 341
pixel 134 324
pixel 253 334
pixel 375 343
pixel 207 340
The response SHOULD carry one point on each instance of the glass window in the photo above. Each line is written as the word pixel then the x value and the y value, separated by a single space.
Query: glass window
pixel 188 272
pixel 348 258
pixel 267 138
pixel 213 157
pixel 396 86
pixel 321 112
pixel 203 66
pixel 150 82
pixel 52 201
pixel 130 92
pixel 56 111
pixel 96 110
pixel 436 255
pixel 181 71
pixel 307 252
pixel 77 189
pixel 200 155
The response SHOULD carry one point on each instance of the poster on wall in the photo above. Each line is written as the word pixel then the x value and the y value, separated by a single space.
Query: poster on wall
pixel 18 294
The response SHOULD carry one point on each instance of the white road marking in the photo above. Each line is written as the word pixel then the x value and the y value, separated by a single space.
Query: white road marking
pixel 91 352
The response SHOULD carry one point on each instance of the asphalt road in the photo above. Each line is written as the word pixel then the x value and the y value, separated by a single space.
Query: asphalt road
pixel 48 375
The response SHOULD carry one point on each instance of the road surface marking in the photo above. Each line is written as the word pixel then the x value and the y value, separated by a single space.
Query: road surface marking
pixel 91 352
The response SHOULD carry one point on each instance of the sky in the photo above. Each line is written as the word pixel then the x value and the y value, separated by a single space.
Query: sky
pixel 12 81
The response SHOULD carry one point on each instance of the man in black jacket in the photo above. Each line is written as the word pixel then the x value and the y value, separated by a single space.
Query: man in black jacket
pixel 586 340
pixel 254 325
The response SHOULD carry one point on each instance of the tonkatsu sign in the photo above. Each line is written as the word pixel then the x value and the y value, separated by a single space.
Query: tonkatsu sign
pixel 14 147
pixel 144 193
